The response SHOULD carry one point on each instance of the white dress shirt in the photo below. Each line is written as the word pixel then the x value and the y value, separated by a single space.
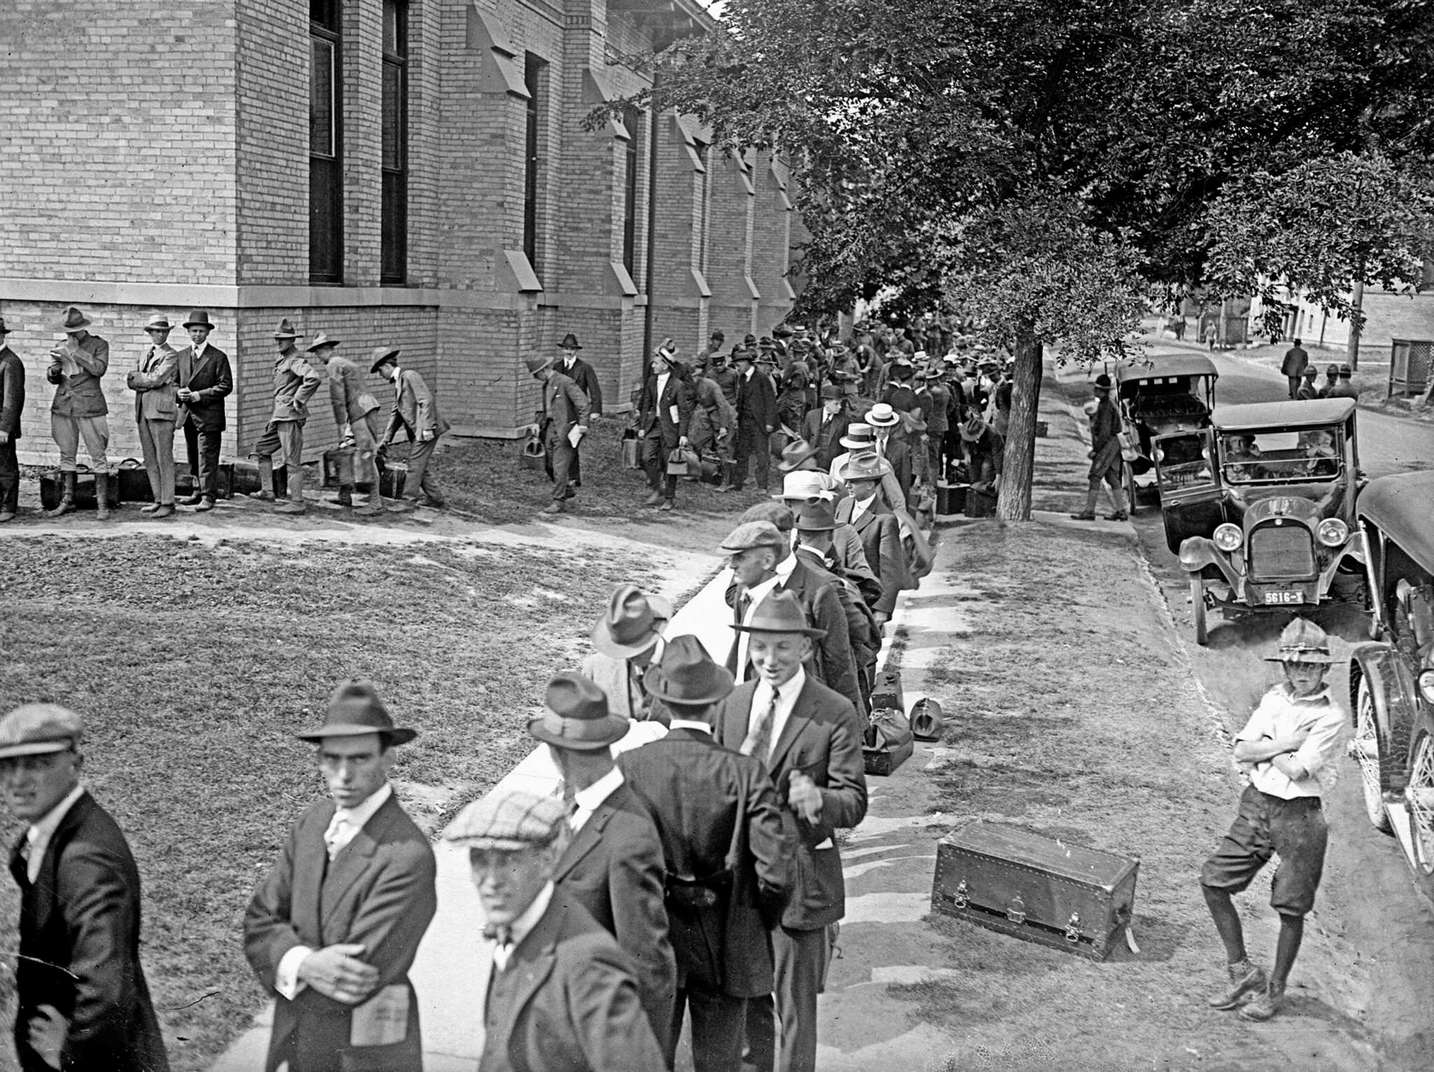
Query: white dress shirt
pixel 786 699
pixel 521 927
pixel 689 724
pixel 199 348
pixel 590 799
pixel 37 838
pixel 861 506
pixel 781 575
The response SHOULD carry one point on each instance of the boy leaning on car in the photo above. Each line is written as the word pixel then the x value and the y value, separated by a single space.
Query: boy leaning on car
pixel 1286 749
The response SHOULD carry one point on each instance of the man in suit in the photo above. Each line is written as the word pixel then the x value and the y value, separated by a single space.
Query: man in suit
pixel 205 380
pixel 713 417
pixel 79 410
pixel 565 415
pixel 627 640
pixel 334 926
pixel 824 427
pixel 727 853
pixel 762 563
pixel 934 398
pixel 756 419
pixel 815 542
pixel 878 529
pixel 295 381
pixel 563 994
pixel 415 413
pixel 810 740
pixel 664 412
pixel 886 422
pixel 613 866
pixel 83 1002
pixel 360 427
pixel 581 373
pixel 12 404
pixel 156 407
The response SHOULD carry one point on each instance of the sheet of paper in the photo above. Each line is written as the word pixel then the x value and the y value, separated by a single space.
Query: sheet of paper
pixel 382 1020
pixel 575 435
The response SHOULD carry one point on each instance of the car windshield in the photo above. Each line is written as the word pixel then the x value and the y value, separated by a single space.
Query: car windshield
pixel 1304 456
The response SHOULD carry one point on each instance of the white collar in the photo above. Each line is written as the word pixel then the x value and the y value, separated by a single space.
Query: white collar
pixel 689 724
pixel 789 689
pixel 199 347
pixel 524 924
pixel 784 568
pixel 357 817
pixel 43 829
pixel 588 799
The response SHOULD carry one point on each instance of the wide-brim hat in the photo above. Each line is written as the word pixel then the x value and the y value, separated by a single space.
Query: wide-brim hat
pixel 627 626
pixel 158 322
pixel 286 330
pixel 804 484
pixel 1303 642
pixel 38 729
pixel 863 465
pixel 570 342
pixel 780 612
pixel 883 415
pixel 818 516
pixel 858 436
pixel 73 320
pixel 576 716
pixel 686 674
pixel 321 340
pixel 199 318
pixel 831 392
pixel 355 710
pixel 380 355
pixel 536 363
pixel 795 453
pixel 973 429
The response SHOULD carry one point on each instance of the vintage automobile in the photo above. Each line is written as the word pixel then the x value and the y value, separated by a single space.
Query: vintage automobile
pixel 1260 506
pixel 1175 394
pixel 1391 678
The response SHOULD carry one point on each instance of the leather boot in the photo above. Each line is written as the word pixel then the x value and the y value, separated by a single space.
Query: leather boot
pixel 66 505
pixel 281 481
pixel 102 496
pixel 295 505
pixel 266 481
pixel 345 497
pixel 374 506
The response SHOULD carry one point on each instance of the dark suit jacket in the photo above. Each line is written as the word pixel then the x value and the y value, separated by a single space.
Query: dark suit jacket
pixel 835 664
pixel 212 379
pixel 613 867
pixel 82 916
pixel 756 402
pixel 378 892
pixel 827 439
pixel 713 807
pixel 862 631
pixel 881 541
pixel 564 405
pixel 567 1002
pixel 655 414
pixel 585 377
pixel 823 739
pixel 12 392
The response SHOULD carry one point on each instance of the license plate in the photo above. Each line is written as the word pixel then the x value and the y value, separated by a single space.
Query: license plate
pixel 1284 597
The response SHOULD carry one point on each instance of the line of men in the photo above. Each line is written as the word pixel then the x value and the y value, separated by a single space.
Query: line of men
pixel 1303 375
pixel 185 389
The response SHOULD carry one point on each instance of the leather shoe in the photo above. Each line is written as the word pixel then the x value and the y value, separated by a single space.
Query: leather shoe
pixel 6 515
pixel 1245 979
pixel 152 508
pixel 1082 517
pixel 163 510
pixel 667 504
pixel 653 498
pixel 1262 1007
pixel 192 500
pixel 1122 516
pixel 552 508
pixel 206 503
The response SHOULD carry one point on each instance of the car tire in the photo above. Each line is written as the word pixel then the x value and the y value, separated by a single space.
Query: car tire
pixel 1367 749
pixel 1419 797
pixel 1198 609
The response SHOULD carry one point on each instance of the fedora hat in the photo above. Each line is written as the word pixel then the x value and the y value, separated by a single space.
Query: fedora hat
pixel 354 710
pixel 73 320
pixel 628 626
pixel 199 318
pixel 285 330
pixel 381 355
pixel 882 415
pixel 158 322
pixel 817 516
pixel 830 392
pixel 743 353
pixel 973 429
pixel 1303 642
pixel 536 363
pixel 780 613
pixel 687 675
pixel 795 453
pixel 576 715
pixel 321 340
pixel 863 465
pixel 1102 382
pixel 803 484
pixel 858 436
pixel 570 342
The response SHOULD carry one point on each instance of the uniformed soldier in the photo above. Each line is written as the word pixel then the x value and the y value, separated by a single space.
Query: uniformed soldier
pixel 295 382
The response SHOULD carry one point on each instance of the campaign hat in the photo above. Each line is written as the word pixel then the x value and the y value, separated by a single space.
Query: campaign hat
pixel 509 820
pixel 576 716
pixel 628 625
pixel 73 320
pixel 780 612
pixel 379 356
pixel 286 330
pixel 570 342
pixel 686 674
pixel 199 318
pixel 321 340
pixel 354 710
pixel 1303 642
pixel 37 729
pixel 536 363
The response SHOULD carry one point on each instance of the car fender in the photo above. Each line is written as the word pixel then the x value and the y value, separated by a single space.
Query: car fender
pixel 1391 691
pixel 1352 548
pixel 1197 552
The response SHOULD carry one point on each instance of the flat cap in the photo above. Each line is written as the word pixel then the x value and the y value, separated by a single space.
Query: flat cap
pixel 39 728
pixel 752 534
pixel 509 820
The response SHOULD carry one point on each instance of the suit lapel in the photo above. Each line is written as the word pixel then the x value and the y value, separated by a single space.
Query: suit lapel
pixel 532 963
pixel 796 722
pixel 353 858
pixel 44 894
pixel 737 715
pixel 585 840
pixel 310 861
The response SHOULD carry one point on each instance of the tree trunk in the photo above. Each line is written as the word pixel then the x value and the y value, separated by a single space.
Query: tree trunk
pixel 1018 462
pixel 1356 323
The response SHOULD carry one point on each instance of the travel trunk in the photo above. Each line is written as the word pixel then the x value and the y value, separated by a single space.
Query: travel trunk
pixel 1012 880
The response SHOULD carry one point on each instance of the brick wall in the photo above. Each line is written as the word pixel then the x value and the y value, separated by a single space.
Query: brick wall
pixel 771 241
pixel 729 256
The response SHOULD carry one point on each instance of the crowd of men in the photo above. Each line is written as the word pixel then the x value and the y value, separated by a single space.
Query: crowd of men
pixel 1303 376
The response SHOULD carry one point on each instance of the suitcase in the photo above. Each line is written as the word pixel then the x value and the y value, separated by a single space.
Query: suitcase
pixel 886 691
pixel 52 490
pixel 950 499
pixel 628 449
pixel 1020 883
pixel 224 484
pixel 133 482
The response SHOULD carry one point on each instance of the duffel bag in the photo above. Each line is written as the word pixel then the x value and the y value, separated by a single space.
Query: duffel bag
pixel 888 743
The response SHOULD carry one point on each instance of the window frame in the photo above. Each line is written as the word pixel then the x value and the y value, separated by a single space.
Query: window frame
pixel 326 244
pixel 393 206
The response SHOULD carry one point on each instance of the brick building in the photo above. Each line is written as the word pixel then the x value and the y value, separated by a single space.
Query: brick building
pixel 407 172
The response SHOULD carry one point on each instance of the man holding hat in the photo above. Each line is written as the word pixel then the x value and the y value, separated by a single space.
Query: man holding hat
pixel 613 866
pixel 728 855
pixel 664 414
pixel 628 637
pixel 756 419
pixel 156 407
pixel 415 413
pixel 12 404
pixel 205 380
pixel 356 417
pixel 83 1002
pixel 809 737
pixel 79 410
pixel 1106 463
pixel 562 424
pixel 581 373
pixel 295 381
pixel 1287 750
pixel 563 994
pixel 333 928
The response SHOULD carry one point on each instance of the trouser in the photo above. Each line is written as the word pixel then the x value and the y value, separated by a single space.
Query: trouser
pixel 9 478
pixel 156 443
pixel 800 960
pixel 751 443
pixel 1113 475
pixel 717 1020
pixel 362 457
pixel 561 455
pixel 284 439
pixel 420 457
pixel 68 431
pixel 935 452
pixel 654 462
pixel 202 447
pixel 1295 382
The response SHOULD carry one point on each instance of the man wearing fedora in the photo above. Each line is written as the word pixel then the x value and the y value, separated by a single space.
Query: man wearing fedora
pixel 809 737
pixel 12 404
pixel 156 407
pixel 295 381
pixel 664 414
pixel 585 376
pixel 727 853
pixel 847 558
pixel 1106 463
pixel 756 419
pixel 415 413
pixel 562 995
pixel 628 638
pixel 333 928
pixel 205 380
pixel 612 866
pixel 877 528
pixel 356 417
pixel 815 530
pixel 562 423
pixel 81 995
pixel 824 427
pixel 79 410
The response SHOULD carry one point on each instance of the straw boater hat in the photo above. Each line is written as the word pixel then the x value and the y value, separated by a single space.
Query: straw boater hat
pixel 883 415
pixel 381 355
pixel 1303 642
pixel 355 710
pixel 576 716
pixel 509 820
pixel 686 674
pixel 859 436
pixel 285 330
pixel 628 626
pixel 38 729
pixel 74 320
pixel 321 340
pixel 158 322
pixel 780 613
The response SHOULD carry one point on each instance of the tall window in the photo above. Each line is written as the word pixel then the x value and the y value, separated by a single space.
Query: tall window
pixel 326 204
pixel 395 141
pixel 632 119
pixel 704 191
pixel 534 77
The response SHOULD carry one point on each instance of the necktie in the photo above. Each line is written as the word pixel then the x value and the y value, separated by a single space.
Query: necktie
pixel 501 935
pixel 758 741
pixel 149 359
pixel 744 603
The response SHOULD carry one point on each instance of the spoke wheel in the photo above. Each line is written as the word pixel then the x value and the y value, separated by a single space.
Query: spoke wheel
pixel 1421 809
pixel 1365 748
pixel 1198 608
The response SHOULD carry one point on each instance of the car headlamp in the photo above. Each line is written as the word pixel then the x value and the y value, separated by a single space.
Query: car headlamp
pixel 1426 685
pixel 1332 532
pixel 1228 537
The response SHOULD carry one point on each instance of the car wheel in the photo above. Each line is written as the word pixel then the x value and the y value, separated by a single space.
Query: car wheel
pixel 1420 797
pixel 1197 607
pixel 1365 749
